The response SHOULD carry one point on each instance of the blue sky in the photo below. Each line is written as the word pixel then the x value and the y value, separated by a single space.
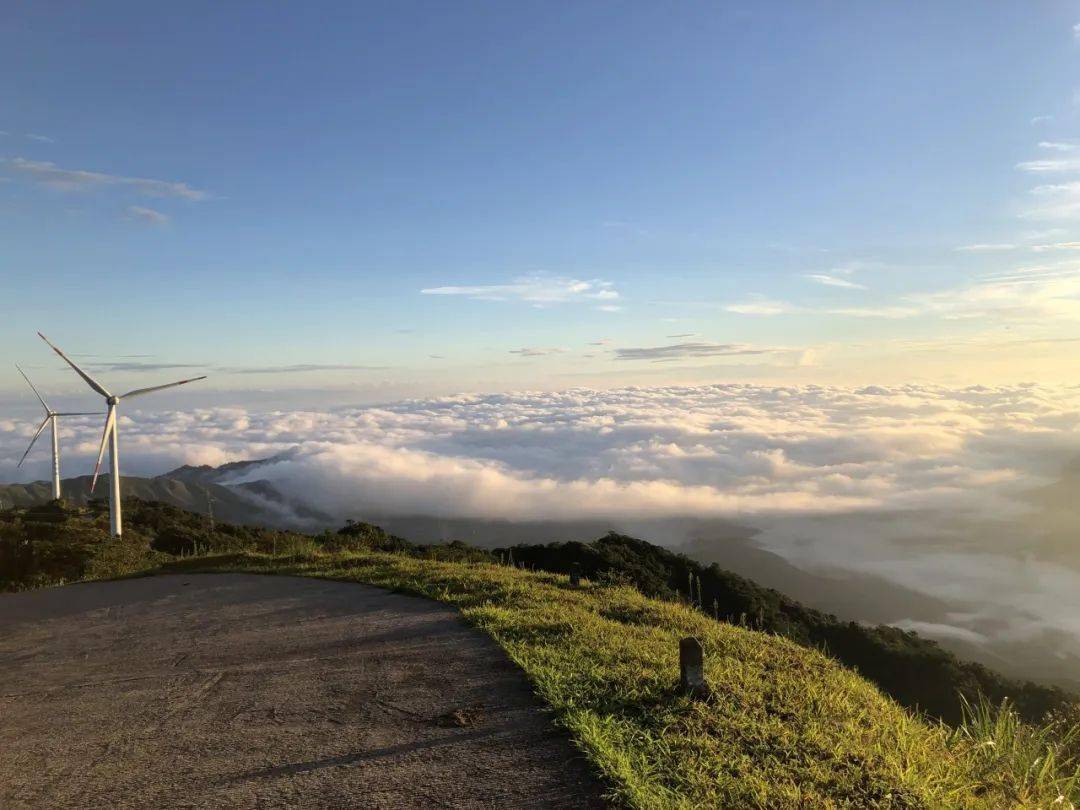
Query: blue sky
pixel 434 197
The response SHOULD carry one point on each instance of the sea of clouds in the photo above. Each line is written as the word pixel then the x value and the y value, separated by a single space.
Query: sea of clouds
pixel 723 450
pixel 927 486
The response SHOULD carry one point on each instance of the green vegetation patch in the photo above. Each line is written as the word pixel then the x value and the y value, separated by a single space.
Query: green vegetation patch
pixel 915 671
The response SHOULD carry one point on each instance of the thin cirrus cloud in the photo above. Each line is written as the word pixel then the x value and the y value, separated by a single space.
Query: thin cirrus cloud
pixel 853 266
pixel 39 138
pixel 986 247
pixel 299 368
pixel 1054 201
pixel 761 306
pixel 148 216
pixel 539 290
pixel 1048 166
pixel 1038 293
pixel 536 351
pixel 52 176
pixel 834 281
pixel 1056 246
pixel 140 366
pixel 890 312
pixel 770 309
pixel 1059 146
pixel 679 351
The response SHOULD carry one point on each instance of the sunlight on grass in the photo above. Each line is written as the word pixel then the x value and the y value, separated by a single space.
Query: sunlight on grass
pixel 784 725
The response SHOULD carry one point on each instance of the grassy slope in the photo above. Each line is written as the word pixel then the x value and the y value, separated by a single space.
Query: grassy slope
pixel 914 671
pixel 785 725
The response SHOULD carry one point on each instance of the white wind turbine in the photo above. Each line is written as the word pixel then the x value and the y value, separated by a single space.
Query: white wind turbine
pixel 110 433
pixel 51 417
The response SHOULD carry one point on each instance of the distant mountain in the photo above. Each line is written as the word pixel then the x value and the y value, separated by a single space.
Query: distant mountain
pixel 195 489
pixel 205 474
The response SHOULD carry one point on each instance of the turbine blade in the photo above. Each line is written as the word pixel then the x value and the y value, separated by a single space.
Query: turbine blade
pixel 80 413
pixel 110 425
pixel 41 399
pixel 38 433
pixel 89 380
pixel 138 392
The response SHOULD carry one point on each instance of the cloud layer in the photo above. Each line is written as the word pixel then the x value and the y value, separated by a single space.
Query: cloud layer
pixel 714 450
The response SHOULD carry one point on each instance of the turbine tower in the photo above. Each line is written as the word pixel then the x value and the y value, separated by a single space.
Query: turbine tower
pixel 51 418
pixel 109 434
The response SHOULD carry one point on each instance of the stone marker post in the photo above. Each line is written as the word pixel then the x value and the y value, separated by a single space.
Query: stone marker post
pixel 692 667
pixel 575 574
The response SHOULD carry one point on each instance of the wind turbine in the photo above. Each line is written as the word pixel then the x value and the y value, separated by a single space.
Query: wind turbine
pixel 51 417
pixel 110 433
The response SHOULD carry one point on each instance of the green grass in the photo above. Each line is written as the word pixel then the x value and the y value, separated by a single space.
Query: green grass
pixel 784 725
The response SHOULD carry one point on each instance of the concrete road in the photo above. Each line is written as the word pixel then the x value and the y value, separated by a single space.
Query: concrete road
pixel 249 691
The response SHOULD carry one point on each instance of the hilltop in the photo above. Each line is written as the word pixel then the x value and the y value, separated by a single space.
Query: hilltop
pixel 784 722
